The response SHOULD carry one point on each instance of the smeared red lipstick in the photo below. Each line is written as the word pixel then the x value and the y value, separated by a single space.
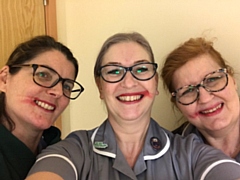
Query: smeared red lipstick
pixel 148 94
pixel 195 115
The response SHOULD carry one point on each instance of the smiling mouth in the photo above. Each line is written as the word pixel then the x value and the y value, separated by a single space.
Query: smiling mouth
pixel 212 110
pixel 44 105
pixel 130 98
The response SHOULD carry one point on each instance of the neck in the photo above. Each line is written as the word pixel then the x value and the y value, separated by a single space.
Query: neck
pixel 28 137
pixel 130 138
pixel 227 141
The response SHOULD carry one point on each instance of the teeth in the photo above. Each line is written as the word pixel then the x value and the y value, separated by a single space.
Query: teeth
pixel 130 98
pixel 212 110
pixel 44 105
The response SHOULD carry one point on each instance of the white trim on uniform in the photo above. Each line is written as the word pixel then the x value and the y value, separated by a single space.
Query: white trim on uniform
pixel 147 157
pixel 112 155
pixel 214 165
pixel 62 157
pixel 162 152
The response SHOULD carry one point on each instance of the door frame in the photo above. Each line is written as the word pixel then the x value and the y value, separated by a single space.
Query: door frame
pixel 50 18
pixel 51 30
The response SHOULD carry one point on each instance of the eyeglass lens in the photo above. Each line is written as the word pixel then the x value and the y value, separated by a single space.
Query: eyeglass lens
pixel 46 77
pixel 213 82
pixel 115 73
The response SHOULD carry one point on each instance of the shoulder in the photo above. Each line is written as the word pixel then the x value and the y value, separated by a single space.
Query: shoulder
pixel 205 161
pixel 73 143
pixel 71 155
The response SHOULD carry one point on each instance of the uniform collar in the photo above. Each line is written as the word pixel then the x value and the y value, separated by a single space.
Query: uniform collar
pixel 189 128
pixel 104 141
pixel 156 145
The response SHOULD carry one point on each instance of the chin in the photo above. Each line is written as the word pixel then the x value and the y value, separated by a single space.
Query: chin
pixel 42 126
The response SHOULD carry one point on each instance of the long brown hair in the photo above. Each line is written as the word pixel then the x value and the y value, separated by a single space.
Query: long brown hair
pixel 25 52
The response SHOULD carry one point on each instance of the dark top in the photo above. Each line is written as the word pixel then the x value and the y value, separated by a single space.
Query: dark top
pixel 15 157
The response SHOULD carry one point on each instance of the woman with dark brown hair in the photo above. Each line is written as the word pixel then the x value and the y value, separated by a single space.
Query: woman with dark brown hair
pixel 36 85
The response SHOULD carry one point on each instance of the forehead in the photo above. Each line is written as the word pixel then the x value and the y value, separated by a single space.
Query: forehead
pixel 125 52
pixel 194 70
pixel 56 60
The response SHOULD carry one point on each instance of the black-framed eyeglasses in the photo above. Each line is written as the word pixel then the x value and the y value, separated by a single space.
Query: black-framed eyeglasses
pixel 213 82
pixel 115 73
pixel 47 77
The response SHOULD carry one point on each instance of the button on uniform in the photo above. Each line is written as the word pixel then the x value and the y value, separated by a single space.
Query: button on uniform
pixel 155 143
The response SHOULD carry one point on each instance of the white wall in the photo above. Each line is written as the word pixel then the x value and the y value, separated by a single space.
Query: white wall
pixel 83 25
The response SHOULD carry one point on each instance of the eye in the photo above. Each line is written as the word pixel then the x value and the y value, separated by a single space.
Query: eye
pixel 187 91
pixel 43 76
pixel 141 69
pixel 114 72
pixel 213 79
pixel 68 86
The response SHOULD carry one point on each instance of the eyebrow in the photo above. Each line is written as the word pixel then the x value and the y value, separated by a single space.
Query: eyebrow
pixel 201 80
pixel 136 62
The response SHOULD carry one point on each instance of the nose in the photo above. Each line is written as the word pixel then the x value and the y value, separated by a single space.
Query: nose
pixel 204 95
pixel 56 91
pixel 128 81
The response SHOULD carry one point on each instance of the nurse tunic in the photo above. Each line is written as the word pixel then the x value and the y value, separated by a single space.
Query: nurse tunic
pixel 95 155
pixel 187 128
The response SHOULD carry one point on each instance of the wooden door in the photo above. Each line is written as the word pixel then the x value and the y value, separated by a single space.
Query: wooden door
pixel 22 19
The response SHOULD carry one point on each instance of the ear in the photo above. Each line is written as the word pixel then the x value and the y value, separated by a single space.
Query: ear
pixel 235 83
pixel 98 83
pixel 3 78
pixel 157 79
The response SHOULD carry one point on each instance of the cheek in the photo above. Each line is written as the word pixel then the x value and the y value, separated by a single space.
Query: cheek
pixel 152 89
pixel 230 98
pixel 148 94
pixel 188 111
pixel 151 94
pixel 21 86
pixel 63 103
pixel 230 91
pixel 107 89
pixel 17 90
